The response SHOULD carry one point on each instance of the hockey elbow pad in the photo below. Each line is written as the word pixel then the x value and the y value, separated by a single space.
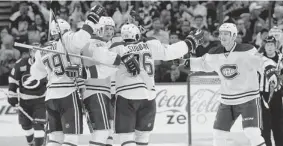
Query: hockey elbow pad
pixel 131 64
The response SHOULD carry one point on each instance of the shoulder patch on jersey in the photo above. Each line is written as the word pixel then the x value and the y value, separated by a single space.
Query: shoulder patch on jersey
pixel 243 47
pixel 229 71
pixel 216 50
pixel 116 44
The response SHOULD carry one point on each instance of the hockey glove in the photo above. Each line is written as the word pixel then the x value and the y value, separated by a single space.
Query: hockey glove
pixel 74 71
pixel 95 13
pixel 13 101
pixel 194 39
pixel 271 75
pixel 131 64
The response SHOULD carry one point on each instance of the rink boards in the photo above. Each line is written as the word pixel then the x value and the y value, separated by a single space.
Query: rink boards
pixel 171 118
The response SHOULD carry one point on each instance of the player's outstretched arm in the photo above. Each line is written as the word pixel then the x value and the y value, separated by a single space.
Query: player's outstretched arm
pixel 176 50
pixel 77 40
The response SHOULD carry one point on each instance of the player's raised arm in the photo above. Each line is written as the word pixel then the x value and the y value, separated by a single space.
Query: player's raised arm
pixel 75 41
pixel 176 50
pixel 38 70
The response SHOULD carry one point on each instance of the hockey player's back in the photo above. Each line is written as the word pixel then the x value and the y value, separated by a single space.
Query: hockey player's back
pixel 54 65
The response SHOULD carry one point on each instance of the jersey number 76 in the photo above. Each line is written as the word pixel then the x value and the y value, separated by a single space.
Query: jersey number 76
pixel 144 60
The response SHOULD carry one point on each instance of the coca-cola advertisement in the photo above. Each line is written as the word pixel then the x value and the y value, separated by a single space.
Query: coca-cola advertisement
pixel 172 107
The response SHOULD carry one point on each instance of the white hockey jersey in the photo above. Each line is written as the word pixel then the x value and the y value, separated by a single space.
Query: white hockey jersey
pixel 237 71
pixel 146 52
pixel 94 85
pixel 52 65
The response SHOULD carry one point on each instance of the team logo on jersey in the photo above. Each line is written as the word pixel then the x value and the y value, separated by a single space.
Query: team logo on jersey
pixel 29 83
pixel 229 71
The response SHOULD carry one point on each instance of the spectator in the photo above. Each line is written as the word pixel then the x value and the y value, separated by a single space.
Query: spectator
pixel 185 29
pixel 255 11
pixel 173 38
pixel 175 75
pixel 157 32
pixel 63 13
pixel 122 14
pixel 184 15
pixel 247 35
pixel 198 22
pixel 76 16
pixel 40 25
pixel 278 16
pixel 7 49
pixel 20 23
pixel 239 38
pixel 260 37
pixel 4 31
pixel 207 44
pixel 165 19
pixel 198 9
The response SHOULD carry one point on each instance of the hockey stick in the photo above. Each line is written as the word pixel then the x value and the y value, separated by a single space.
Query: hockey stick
pixel 47 49
pixel 46 131
pixel 75 79
pixel 36 121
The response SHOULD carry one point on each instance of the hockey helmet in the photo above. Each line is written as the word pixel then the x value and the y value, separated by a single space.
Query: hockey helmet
pixel 106 21
pixel 130 32
pixel 230 27
pixel 270 39
pixel 63 25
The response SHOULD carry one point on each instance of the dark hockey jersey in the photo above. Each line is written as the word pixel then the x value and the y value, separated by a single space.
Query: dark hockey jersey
pixel 18 80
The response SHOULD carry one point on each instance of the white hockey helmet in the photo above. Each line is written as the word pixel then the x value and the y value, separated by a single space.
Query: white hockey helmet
pixel 106 21
pixel 230 27
pixel 63 25
pixel 130 32
pixel 275 32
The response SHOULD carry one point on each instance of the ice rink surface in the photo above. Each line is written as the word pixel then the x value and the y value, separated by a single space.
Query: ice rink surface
pixel 237 139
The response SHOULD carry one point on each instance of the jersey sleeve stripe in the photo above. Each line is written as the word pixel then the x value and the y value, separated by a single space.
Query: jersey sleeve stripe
pixel 103 90
pixel 238 97
pixel 131 85
pixel 255 91
pixel 95 86
pixel 130 88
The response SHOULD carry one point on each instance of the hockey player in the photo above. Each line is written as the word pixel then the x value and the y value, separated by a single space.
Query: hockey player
pixel 65 75
pixel 237 66
pixel 30 98
pixel 272 116
pixel 97 94
pixel 135 105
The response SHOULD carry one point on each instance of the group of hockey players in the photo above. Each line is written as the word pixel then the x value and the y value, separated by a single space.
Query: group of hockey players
pixel 70 87
pixel 63 88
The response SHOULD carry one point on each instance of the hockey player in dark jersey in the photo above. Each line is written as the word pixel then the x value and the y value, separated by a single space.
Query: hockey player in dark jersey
pixel 30 97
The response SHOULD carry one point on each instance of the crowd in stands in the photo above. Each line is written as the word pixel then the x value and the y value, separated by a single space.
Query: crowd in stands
pixel 168 21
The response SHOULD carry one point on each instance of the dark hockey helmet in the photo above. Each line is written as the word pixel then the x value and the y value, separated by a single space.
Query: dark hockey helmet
pixel 270 39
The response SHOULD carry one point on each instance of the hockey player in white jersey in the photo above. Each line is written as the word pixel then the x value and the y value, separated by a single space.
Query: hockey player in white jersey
pixel 97 93
pixel 237 66
pixel 135 105
pixel 62 102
